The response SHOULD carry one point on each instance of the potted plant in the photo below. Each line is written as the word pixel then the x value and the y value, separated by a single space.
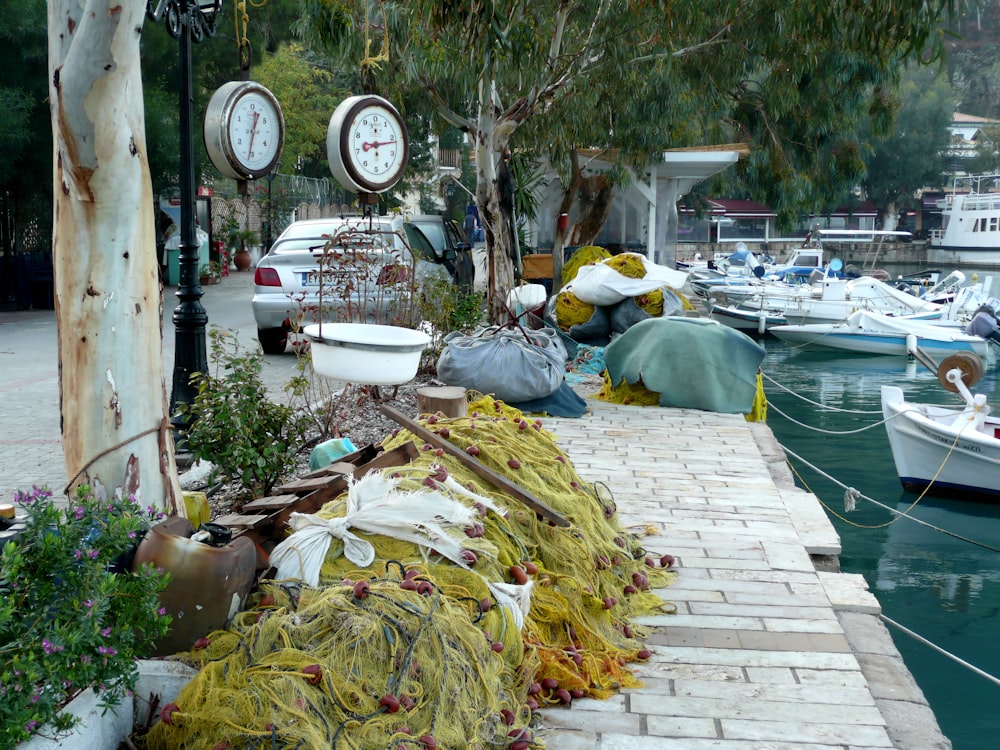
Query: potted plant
pixel 73 615
pixel 240 241
pixel 210 273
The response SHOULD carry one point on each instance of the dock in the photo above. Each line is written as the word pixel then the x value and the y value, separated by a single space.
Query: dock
pixel 771 647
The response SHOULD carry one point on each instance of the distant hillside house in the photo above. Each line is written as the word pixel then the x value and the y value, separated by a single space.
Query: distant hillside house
pixel 967 133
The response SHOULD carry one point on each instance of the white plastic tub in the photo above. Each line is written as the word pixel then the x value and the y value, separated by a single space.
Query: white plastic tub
pixel 366 353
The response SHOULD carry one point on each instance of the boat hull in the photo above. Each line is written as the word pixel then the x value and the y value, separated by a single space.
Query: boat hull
pixel 748 321
pixel 929 451
pixel 839 337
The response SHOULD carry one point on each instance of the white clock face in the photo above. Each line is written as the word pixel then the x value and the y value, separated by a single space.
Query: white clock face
pixel 254 131
pixel 376 144
pixel 244 130
pixel 367 144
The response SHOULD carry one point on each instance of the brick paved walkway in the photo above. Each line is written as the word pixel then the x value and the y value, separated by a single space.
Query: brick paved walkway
pixel 765 651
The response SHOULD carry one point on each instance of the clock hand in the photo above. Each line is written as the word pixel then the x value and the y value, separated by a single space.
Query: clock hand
pixel 253 132
pixel 374 144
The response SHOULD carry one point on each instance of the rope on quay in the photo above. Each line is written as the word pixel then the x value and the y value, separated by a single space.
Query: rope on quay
pixel 920 639
pixel 897 513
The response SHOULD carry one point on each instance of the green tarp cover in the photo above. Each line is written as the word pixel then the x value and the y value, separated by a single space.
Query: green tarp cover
pixel 693 363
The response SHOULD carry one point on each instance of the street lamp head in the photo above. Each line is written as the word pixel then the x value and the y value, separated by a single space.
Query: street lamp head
pixel 202 16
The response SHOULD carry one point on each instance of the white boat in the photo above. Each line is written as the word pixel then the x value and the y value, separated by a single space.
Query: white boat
pixel 747 320
pixel 834 299
pixel 970 225
pixel 742 273
pixel 952 450
pixel 873 333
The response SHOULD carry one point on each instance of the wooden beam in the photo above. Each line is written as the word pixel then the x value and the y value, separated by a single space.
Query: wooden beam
pixel 481 470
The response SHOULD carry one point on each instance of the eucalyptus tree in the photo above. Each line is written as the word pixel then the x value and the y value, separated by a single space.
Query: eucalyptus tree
pixel 115 430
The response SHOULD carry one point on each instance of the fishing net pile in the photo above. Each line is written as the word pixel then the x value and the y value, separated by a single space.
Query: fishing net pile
pixel 454 629
pixel 602 296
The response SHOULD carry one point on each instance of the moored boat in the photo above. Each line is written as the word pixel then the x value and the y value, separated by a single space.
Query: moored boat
pixel 949 451
pixel 970 225
pixel 747 320
pixel 873 333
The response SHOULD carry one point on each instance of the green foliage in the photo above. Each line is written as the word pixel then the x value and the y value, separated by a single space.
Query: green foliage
pixel 444 308
pixel 914 155
pixel 72 616
pixel 25 121
pixel 308 94
pixel 234 425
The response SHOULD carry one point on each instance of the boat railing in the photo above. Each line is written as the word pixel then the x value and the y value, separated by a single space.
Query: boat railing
pixel 987 202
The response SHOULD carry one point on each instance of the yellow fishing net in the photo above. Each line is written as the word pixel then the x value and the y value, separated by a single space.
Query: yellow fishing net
pixel 571 310
pixel 636 394
pixel 416 646
pixel 628 264
pixel 583 256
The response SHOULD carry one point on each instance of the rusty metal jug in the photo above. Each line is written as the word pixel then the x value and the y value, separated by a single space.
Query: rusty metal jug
pixel 208 584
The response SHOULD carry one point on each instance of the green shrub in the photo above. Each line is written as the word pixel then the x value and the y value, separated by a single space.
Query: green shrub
pixel 72 614
pixel 234 425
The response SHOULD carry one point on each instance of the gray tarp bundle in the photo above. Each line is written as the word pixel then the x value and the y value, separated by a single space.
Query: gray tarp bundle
pixel 693 363
pixel 513 364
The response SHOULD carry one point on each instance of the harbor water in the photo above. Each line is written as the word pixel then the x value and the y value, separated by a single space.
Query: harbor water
pixel 942 580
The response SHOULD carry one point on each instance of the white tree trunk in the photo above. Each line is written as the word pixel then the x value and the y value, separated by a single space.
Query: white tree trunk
pixel 108 299
pixel 890 217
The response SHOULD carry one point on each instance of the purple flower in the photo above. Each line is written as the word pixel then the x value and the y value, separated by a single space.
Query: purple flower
pixel 106 632
pixel 35 697
pixel 107 650
pixel 30 726
pixel 88 604
pixel 78 512
pixel 77 554
pixel 161 611
pixel 93 554
pixel 49 647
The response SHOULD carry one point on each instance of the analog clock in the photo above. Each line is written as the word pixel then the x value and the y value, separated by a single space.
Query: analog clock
pixel 367 144
pixel 244 130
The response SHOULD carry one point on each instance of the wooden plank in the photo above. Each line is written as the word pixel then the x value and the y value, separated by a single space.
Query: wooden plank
pixel 309 484
pixel 273 502
pixel 482 470
pixel 240 521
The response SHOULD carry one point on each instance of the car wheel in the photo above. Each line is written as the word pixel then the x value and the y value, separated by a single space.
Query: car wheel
pixel 272 340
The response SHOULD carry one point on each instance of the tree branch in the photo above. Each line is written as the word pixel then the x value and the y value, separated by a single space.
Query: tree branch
pixel 721 37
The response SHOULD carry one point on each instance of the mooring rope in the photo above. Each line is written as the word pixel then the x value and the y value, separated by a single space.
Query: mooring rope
pixel 816 403
pixel 772 407
pixel 920 639
pixel 856 494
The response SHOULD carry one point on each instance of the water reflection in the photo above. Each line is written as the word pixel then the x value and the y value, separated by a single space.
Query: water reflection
pixel 951 554
pixel 940 586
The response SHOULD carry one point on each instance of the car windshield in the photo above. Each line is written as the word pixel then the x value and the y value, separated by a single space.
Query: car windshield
pixel 344 236
pixel 434 232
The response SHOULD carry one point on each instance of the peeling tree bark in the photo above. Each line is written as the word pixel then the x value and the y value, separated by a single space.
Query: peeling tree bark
pixel 108 300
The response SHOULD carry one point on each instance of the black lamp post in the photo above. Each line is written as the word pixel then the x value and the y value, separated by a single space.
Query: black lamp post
pixel 187 21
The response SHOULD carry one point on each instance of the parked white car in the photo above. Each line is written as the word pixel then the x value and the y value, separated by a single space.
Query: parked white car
pixel 352 269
